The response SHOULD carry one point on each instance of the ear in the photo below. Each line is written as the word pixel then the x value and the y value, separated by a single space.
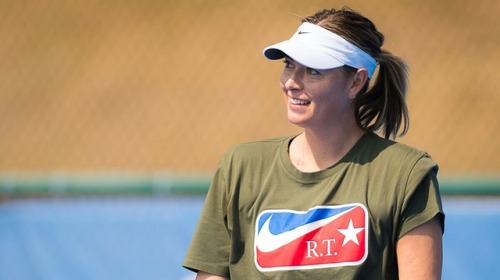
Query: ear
pixel 358 80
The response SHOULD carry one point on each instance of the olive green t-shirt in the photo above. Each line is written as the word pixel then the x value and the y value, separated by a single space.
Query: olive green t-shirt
pixel 265 219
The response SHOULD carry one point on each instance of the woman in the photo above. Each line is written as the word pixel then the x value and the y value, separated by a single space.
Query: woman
pixel 337 201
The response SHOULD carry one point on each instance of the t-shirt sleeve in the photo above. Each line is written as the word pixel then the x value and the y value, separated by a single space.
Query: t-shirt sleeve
pixel 209 248
pixel 423 200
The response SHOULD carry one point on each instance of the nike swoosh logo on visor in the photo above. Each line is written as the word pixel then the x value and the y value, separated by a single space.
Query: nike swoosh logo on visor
pixel 267 241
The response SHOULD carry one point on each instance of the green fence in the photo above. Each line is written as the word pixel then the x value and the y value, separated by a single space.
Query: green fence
pixel 118 183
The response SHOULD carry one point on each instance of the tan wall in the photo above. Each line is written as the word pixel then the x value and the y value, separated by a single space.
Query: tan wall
pixel 170 85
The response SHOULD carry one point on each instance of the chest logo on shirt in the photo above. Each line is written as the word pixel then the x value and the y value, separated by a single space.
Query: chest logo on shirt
pixel 323 236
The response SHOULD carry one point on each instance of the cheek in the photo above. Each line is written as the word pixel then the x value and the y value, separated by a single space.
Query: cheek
pixel 282 86
pixel 333 98
pixel 283 79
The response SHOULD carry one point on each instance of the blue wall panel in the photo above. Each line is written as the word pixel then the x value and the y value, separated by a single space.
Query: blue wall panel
pixel 147 237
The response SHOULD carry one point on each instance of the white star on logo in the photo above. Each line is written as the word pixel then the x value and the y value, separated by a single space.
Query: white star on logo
pixel 350 234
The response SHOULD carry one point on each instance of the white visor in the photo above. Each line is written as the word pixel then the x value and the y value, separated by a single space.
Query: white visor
pixel 317 48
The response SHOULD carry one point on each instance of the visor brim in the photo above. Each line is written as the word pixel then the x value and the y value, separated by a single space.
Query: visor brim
pixel 302 53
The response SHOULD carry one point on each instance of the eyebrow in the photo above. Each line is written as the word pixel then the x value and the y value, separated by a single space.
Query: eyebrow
pixel 289 59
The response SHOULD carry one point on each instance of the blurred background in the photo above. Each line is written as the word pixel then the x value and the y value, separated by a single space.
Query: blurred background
pixel 113 115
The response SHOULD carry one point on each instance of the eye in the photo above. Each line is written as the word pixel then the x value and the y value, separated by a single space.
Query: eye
pixel 288 63
pixel 311 71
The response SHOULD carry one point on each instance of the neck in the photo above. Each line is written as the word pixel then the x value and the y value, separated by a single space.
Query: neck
pixel 313 150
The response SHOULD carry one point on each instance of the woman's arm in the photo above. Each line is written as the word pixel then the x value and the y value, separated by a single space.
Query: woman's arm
pixel 207 276
pixel 420 252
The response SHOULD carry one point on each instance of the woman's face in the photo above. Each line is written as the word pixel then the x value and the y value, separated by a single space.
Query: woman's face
pixel 317 98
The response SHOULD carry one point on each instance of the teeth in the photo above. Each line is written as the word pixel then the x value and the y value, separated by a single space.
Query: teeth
pixel 299 102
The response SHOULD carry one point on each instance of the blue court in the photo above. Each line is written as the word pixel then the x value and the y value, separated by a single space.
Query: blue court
pixel 146 237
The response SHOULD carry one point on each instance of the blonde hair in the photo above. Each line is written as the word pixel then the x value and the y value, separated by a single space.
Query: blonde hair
pixel 381 106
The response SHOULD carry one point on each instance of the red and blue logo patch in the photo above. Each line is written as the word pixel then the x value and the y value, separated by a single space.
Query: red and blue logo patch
pixel 323 236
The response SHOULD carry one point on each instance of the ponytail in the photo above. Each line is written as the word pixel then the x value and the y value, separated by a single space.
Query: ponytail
pixel 383 106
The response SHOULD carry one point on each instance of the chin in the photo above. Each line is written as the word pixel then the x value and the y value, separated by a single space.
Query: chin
pixel 297 121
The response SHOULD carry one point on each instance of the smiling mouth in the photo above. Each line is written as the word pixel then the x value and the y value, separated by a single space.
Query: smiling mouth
pixel 295 101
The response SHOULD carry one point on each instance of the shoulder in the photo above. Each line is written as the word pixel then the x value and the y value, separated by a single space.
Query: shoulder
pixel 259 147
pixel 394 155
pixel 392 148
pixel 254 152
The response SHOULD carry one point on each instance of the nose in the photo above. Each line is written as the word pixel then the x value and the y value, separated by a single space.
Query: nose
pixel 292 81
